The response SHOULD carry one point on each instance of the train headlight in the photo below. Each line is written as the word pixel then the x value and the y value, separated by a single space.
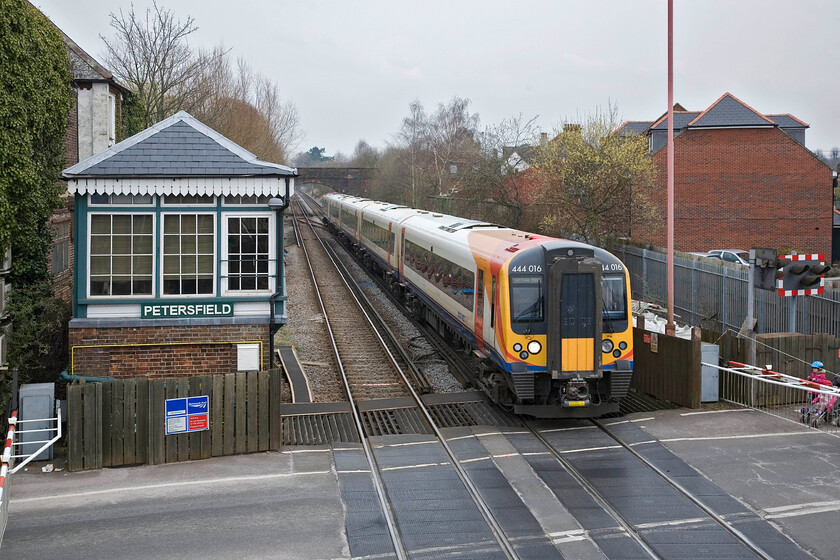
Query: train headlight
pixel 523 355
pixel 617 353
pixel 606 346
pixel 517 347
pixel 622 345
pixel 534 347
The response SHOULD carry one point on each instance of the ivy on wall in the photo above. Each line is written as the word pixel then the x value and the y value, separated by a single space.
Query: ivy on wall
pixel 34 104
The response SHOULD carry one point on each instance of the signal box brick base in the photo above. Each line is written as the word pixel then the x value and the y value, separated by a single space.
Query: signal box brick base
pixel 163 351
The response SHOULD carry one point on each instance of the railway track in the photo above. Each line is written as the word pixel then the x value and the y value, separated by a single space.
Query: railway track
pixel 370 379
pixel 631 497
pixel 371 369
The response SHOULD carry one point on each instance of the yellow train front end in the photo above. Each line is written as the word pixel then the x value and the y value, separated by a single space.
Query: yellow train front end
pixel 564 332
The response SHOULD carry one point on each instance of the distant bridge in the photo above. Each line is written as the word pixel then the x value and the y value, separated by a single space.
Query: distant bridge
pixel 347 180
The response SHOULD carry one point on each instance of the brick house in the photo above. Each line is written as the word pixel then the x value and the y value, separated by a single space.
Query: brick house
pixel 92 127
pixel 178 233
pixel 742 179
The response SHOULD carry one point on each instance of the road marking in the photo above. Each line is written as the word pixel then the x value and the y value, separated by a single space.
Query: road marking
pixel 672 523
pixel 590 449
pixel 474 460
pixel 568 429
pixel 568 536
pixel 716 411
pixel 801 509
pixel 147 487
pixel 420 466
pixel 410 443
pixel 746 436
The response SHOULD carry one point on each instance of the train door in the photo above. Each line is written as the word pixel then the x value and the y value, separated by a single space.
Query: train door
pixel 574 318
pixel 479 309
pixel 490 335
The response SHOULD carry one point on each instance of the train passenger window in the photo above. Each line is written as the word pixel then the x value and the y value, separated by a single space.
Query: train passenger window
pixel 526 297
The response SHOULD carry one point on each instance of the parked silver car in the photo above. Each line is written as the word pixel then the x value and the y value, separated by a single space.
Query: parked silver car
pixel 736 256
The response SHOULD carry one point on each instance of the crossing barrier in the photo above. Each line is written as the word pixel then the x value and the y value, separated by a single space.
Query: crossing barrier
pixel 779 394
pixel 7 460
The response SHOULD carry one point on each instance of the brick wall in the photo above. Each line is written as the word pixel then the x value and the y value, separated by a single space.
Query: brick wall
pixel 743 188
pixel 71 137
pixel 181 350
pixel 62 282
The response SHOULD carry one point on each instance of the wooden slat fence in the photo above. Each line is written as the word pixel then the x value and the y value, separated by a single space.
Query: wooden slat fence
pixel 672 372
pixel 123 422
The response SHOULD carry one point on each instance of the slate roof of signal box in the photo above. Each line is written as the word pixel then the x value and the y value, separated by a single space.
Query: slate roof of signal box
pixel 180 146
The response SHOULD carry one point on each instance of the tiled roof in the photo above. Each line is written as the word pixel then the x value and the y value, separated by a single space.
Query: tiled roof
pixel 681 120
pixel 633 127
pixel 179 146
pixel 729 111
pixel 787 121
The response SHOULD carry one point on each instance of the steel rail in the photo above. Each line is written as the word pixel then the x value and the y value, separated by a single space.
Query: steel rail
pixel 596 495
pixel 741 537
pixel 422 381
pixel 492 522
pixel 379 486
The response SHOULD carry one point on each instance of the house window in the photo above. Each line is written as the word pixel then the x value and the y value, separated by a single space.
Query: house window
pixel 120 199
pixel 61 248
pixel 121 247
pixel 188 254
pixel 248 253
pixel 246 199
pixel 189 199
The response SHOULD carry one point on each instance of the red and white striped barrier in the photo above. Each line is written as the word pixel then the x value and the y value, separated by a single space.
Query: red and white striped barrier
pixel 7 452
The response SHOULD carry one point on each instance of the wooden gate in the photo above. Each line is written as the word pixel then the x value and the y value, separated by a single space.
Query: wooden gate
pixel 122 422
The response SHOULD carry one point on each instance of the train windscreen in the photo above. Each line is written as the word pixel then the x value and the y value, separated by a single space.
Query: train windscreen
pixel 527 302
pixel 614 303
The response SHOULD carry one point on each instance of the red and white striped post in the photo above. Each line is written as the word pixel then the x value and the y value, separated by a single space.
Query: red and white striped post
pixel 7 453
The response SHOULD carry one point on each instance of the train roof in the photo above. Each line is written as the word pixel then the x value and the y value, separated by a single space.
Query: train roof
pixel 435 223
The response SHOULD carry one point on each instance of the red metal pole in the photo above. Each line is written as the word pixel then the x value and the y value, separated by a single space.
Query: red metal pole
pixel 670 328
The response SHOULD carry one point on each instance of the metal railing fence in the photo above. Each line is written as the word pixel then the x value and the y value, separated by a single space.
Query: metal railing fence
pixel 714 296
pixel 781 395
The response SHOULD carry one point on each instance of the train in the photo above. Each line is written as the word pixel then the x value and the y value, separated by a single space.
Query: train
pixel 550 319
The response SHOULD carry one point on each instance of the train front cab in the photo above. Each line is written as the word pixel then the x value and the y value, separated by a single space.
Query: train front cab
pixel 576 382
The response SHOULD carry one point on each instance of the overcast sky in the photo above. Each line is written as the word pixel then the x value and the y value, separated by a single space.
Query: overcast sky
pixel 352 67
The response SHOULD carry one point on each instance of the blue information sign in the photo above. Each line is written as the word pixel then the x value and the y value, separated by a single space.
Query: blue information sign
pixel 188 414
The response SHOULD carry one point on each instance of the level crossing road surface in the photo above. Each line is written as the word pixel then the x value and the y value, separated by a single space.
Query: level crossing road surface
pixel 309 502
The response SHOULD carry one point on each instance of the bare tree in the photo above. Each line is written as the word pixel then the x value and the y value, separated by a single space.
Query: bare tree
pixel 494 185
pixel 451 139
pixel 412 137
pixel 228 93
pixel 151 56
pixel 364 155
